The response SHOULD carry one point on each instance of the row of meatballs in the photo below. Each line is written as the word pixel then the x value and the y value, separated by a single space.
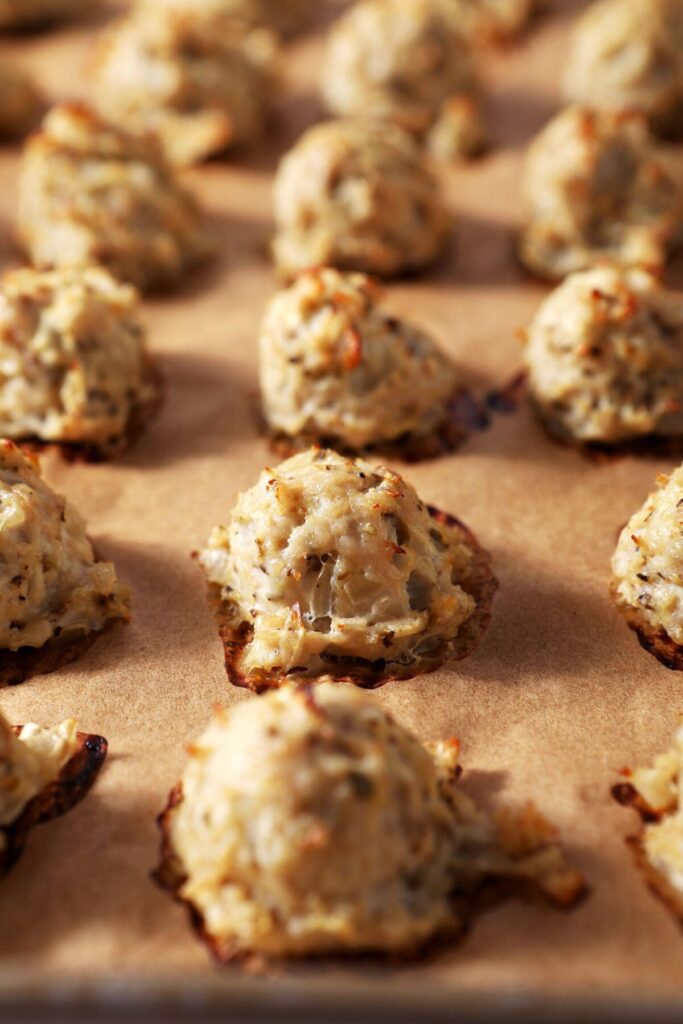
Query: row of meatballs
pixel 331 567
pixel 331 571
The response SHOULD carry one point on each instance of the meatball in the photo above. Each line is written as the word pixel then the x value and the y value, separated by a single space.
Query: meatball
pixel 605 357
pixel 52 587
pixel 627 55
pixel 657 792
pixel 335 368
pixel 329 565
pixel 596 187
pixel 647 571
pixel 200 89
pixel 92 194
pixel 410 64
pixel 73 367
pixel 308 822
pixel 44 772
pixel 356 195
pixel 20 102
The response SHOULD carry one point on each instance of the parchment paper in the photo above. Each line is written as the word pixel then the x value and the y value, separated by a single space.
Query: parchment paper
pixel 558 697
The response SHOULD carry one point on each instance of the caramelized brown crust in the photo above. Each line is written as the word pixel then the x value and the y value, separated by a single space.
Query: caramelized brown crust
pixel 18 666
pixel 627 795
pixel 655 446
pixel 72 784
pixel 493 890
pixel 480 584
pixel 464 415
pixel 84 451
pixel 655 641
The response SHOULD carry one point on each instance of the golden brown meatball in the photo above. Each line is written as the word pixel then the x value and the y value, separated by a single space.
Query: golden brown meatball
pixel 198 88
pixel 335 368
pixel 309 822
pixel 627 55
pixel 73 366
pixel 596 187
pixel 408 63
pixel 657 792
pixel 330 565
pixel 52 587
pixel 92 194
pixel 357 195
pixel 605 358
pixel 647 571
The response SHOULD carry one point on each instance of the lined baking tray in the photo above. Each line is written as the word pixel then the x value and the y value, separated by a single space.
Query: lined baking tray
pixel 554 702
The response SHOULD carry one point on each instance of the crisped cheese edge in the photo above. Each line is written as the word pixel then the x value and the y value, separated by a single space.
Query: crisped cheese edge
pixel 29 762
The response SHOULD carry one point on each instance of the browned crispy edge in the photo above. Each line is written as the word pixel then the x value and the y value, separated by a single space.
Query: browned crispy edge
pixel 649 446
pixel 72 784
pixel 627 795
pixel 481 585
pixel 655 641
pixel 464 415
pixel 85 451
pixel 18 666
pixel 170 876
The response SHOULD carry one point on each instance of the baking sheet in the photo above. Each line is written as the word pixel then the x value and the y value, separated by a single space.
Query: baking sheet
pixel 557 698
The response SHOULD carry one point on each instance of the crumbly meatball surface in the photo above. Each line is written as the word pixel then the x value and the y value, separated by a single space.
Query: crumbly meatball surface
pixel 51 585
pixel 627 55
pixel 597 187
pixel 408 63
pixel 331 565
pixel 309 822
pixel 90 193
pixel 647 567
pixel 198 86
pixel 25 13
pixel 30 761
pixel 283 16
pixel 73 366
pixel 605 357
pixel 335 366
pixel 20 102
pixel 357 195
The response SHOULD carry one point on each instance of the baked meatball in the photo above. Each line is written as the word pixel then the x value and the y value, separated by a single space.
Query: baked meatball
pixel 335 368
pixel 647 571
pixel 20 102
pixel 198 87
pixel 357 195
pixel 27 13
pixel 309 822
pixel 44 772
pixel 90 193
pixel 596 187
pixel 410 64
pixel 330 565
pixel 73 366
pixel 283 16
pixel 657 792
pixel 627 55
pixel 54 593
pixel 605 358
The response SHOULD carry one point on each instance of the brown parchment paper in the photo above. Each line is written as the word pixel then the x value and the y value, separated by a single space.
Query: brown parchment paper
pixel 558 697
